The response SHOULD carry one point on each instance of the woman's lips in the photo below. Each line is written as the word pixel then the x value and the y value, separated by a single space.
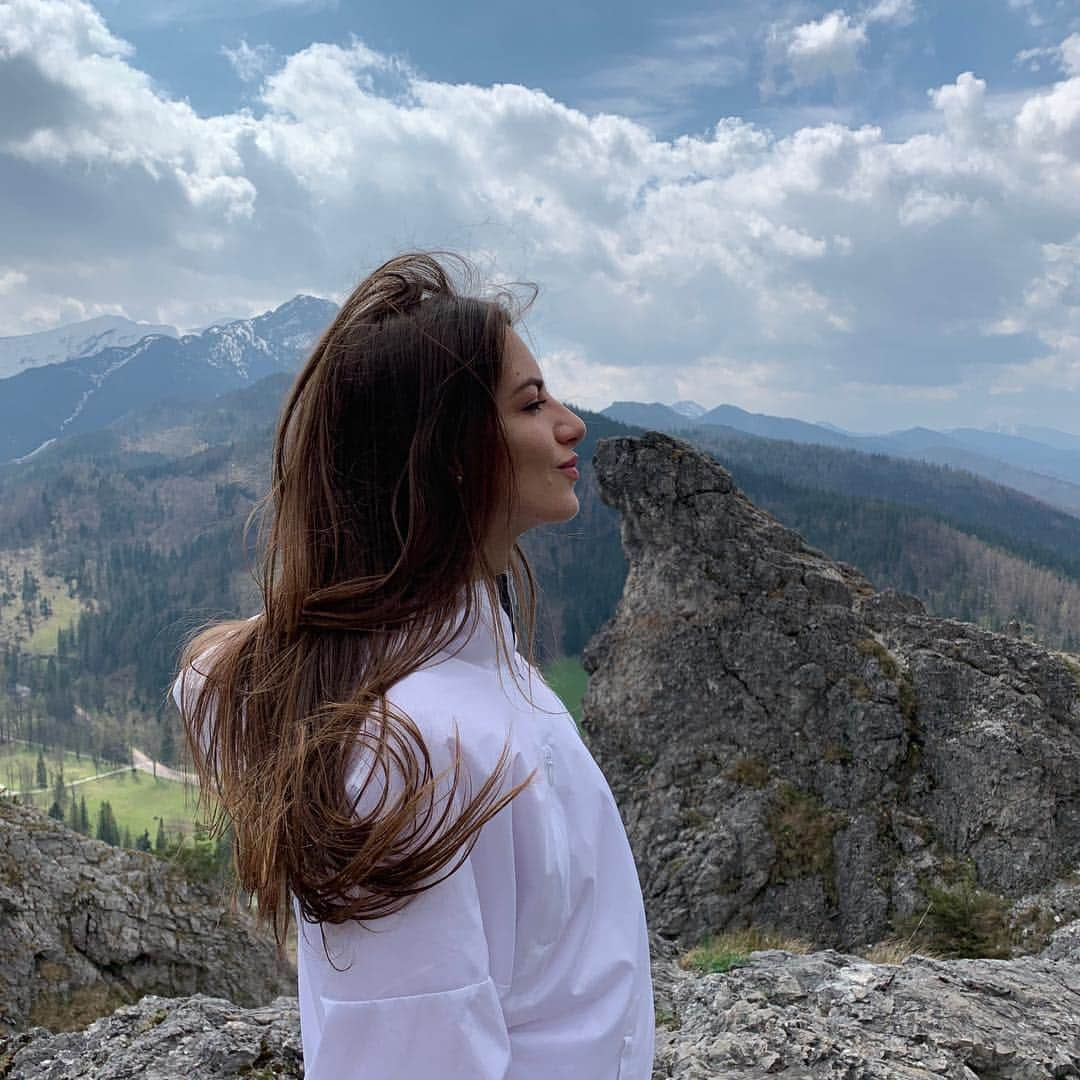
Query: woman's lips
pixel 570 470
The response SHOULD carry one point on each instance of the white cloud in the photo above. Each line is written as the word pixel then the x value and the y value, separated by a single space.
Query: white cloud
pixel 11 279
pixel 250 63
pixel 1030 9
pixel 775 272
pixel 901 12
pixel 829 46
pixel 963 105
pixel 1069 54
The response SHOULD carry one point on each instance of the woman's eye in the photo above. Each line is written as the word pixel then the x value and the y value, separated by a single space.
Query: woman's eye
pixel 535 406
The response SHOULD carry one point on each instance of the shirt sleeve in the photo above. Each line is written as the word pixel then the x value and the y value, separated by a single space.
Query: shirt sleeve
pixel 413 993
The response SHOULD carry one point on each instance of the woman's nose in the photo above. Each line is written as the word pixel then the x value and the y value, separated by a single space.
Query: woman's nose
pixel 575 429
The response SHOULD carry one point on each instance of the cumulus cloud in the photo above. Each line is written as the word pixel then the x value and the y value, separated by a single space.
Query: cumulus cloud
pixel 829 46
pixel 804 272
pixel 804 54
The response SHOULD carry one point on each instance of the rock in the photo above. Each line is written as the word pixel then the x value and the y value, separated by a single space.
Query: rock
pixel 166 1039
pixel 789 747
pixel 85 927
pixel 830 1015
pixel 821 1015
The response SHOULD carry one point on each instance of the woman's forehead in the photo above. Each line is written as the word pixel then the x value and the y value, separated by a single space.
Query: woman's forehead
pixel 519 363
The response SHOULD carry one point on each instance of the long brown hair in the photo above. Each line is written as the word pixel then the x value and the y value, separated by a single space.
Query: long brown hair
pixel 370 544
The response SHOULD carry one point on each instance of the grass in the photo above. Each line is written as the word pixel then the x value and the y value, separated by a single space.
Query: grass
pixel 896 950
pixel 139 799
pixel 802 828
pixel 569 680
pixel 732 948
pixel 18 759
pixel 65 609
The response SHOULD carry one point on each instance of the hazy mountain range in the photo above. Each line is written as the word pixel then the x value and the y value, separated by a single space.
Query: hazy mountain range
pixel 1040 462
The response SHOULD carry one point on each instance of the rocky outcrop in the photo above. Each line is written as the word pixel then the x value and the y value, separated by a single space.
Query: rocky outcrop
pixel 824 1015
pixel 85 927
pixel 790 748
pixel 828 1015
pixel 196 1038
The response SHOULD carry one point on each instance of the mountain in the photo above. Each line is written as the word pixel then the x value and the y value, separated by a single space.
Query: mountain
pixel 654 415
pixel 1049 436
pixel 689 408
pixel 1049 471
pixel 87 393
pixel 1026 453
pixel 668 418
pixel 73 342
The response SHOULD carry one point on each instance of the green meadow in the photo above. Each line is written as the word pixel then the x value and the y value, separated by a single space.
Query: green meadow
pixel 18 761
pixel 138 800
pixel 568 679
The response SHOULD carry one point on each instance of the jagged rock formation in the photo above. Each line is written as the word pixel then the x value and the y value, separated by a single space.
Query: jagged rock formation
pixel 790 748
pixel 85 927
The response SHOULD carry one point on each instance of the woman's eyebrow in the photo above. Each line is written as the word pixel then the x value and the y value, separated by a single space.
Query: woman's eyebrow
pixel 534 381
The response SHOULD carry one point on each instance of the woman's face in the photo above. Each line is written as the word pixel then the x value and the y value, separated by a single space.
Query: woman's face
pixel 542 434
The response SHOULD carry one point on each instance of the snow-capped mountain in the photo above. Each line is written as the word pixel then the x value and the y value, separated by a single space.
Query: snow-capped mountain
pixel 88 392
pixel 689 408
pixel 73 341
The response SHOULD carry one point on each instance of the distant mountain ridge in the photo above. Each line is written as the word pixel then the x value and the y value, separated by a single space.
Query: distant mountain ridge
pixel 88 392
pixel 74 341
pixel 1040 462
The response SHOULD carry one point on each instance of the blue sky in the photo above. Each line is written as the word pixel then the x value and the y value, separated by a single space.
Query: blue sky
pixel 867 214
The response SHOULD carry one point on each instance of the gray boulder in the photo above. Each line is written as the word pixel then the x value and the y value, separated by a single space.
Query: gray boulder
pixel 791 748
pixel 166 1039
pixel 85 927
pixel 833 1016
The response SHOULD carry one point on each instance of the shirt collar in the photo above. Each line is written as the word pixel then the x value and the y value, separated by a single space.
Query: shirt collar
pixel 474 640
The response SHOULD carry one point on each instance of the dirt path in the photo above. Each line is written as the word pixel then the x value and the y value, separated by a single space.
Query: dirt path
pixel 146 764
pixel 142 762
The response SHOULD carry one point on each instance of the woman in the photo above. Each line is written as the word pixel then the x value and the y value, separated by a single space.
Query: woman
pixel 398 776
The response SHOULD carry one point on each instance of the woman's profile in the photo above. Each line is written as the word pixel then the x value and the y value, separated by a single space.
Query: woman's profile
pixel 399 777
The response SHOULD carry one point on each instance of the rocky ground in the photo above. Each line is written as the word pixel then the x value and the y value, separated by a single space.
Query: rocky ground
pixel 824 1015
pixel 85 927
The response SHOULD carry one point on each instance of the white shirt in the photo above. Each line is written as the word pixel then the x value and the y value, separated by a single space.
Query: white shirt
pixel 531 961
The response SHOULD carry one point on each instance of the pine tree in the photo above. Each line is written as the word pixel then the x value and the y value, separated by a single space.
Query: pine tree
pixel 107 829
pixel 142 841
pixel 60 792
pixel 56 811
pixel 84 817
pixel 42 772
pixel 161 842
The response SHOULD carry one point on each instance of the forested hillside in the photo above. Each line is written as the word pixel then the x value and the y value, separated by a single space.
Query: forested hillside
pixel 117 544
